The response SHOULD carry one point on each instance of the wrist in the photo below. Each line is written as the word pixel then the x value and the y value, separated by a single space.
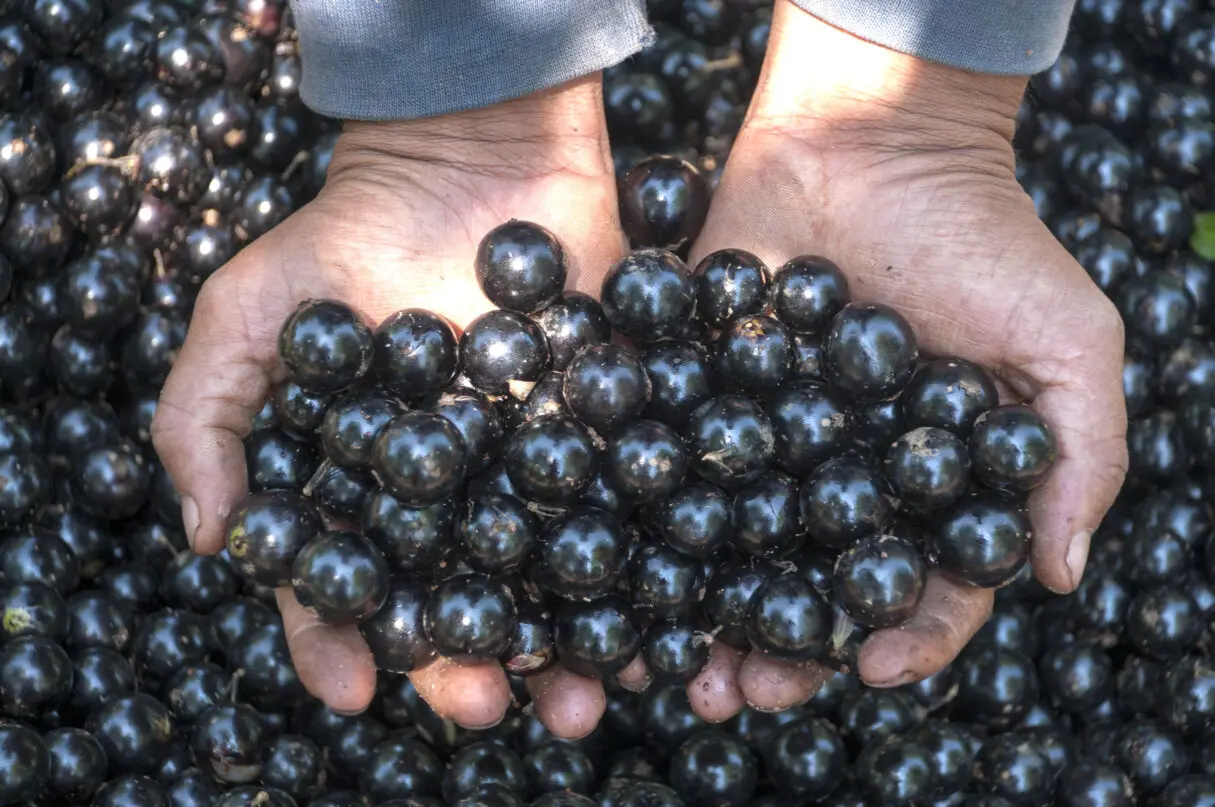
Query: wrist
pixel 558 130
pixel 836 91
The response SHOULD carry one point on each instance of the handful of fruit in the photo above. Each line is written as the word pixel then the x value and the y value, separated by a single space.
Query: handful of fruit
pixel 773 467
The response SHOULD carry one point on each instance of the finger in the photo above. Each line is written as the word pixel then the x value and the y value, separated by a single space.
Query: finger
pixel 569 705
pixel 333 663
pixel 635 677
pixel 475 694
pixel 715 694
pixel 773 686
pixel 948 616
pixel 1088 415
pixel 205 410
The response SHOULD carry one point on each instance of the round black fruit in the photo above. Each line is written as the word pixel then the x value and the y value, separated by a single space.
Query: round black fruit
pixel 928 468
pixel 470 615
pixel 340 575
pixel 1012 448
pixel 596 638
pixel 325 345
pixel 730 440
pixel 648 295
pixel 869 352
pixel 520 266
pixel 266 531
pixel 420 457
pixel 807 293
pixel 880 581
pixel 788 619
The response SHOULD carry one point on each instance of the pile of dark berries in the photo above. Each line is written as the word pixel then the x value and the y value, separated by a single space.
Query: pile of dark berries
pixel 743 447
pixel 533 492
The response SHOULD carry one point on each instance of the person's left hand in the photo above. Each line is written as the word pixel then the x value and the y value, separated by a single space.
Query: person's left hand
pixel 901 172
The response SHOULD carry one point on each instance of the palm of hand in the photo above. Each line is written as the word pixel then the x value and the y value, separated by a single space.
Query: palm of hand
pixel 380 237
pixel 953 243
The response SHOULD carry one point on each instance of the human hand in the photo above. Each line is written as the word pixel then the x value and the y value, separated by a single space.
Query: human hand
pixel 397 225
pixel 901 171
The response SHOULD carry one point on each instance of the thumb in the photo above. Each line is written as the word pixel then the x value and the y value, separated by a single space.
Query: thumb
pixel 206 408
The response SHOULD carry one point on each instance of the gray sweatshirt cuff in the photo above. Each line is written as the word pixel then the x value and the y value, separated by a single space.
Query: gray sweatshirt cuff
pixel 1008 37
pixel 395 59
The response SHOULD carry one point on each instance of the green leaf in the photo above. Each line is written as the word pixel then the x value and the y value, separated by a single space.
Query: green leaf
pixel 1203 239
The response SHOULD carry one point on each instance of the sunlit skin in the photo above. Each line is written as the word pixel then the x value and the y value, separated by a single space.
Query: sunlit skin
pixel 900 171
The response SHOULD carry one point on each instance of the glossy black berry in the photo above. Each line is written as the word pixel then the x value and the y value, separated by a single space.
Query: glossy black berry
pixel 605 386
pixel 648 296
pixel 520 266
pixel 949 394
pixel 266 531
pixel 869 352
pixel 664 583
pixel 277 461
pixel 755 352
pixel 681 378
pixel 880 580
pixel 299 411
pixel 810 425
pixel 420 457
pixel 645 461
pixel 227 743
pixel 928 468
pixel 572 322
pixel 714 767
pixel 551 459
pixel 596 638
pixel 697 520
pixel 27 763
pixel 675 651
pixel 730 440
pixel 416 353
pixel 341 576
pixel 581 555
pixel 325 345
pixel 807 758
pixel 497 532
pixel 663 202
pixel 844 499
pixel 788 619
pixel 478 421
pixel 1012 448
pixel 353 422
pixel 807 293
pixel 134 731
pixel 532 648
pixel 501 349
pixel 730 283
pixel 765 516
pixel 983 540
pixel 470 615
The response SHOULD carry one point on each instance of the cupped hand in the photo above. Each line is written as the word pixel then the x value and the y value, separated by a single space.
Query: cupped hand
pixel 396 226
pixel 901 172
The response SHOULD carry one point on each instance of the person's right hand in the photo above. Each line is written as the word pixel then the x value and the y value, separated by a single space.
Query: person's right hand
pixel 396 226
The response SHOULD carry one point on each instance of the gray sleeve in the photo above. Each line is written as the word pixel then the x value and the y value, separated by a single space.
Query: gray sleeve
pixel 1009 37
pixel 396 59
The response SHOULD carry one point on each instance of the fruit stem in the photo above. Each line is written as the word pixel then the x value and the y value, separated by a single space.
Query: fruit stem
pixel 321 471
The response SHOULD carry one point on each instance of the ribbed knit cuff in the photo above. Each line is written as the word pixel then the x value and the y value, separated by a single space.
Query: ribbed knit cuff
pixel 1007 37
pixel 398 59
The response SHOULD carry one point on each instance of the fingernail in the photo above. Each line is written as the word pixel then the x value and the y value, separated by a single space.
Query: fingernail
pixel 905 677
pixel 637 686
pixel 189 518
pixel 1077 555
pixel 345 713
pixel 489 725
